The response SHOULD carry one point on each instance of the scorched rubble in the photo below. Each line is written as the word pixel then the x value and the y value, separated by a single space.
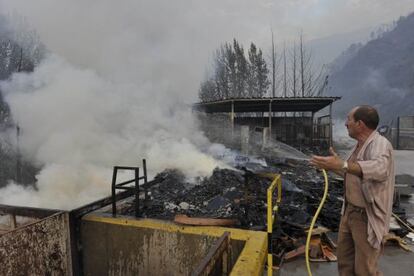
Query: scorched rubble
pixel 241 194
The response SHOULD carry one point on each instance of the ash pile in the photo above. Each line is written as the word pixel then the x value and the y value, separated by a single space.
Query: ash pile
pixel 240 195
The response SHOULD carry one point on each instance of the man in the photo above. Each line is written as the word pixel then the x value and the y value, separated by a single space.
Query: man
pixel 369 186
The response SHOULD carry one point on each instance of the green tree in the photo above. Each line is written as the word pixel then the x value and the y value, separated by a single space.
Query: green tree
pixel 253 88
pixel 235 76
pixel 241 71
pixel 258 82
pixel 262 74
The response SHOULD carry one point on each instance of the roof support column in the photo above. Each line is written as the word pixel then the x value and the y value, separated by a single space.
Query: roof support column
pixel 312 130
pixel 13 223
pixel 330 125
pixel 270 119
pixel 232 119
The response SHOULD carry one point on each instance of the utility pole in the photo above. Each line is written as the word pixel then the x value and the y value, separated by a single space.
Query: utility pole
pixel 284 71
pixel 273 67
pixel 302 73
pixel 294 69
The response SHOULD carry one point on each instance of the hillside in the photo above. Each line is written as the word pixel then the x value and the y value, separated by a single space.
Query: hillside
pixel 380 73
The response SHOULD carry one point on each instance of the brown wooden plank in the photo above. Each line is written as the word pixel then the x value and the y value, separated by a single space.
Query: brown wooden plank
pixel 184 219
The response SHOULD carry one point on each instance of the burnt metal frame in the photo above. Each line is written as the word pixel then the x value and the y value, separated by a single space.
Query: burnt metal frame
pixel 32 212
pixel 218 255
pixel 122 185
pixel 76 215
pixel 13 211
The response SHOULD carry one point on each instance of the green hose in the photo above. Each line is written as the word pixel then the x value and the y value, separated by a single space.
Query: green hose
pixel 315 217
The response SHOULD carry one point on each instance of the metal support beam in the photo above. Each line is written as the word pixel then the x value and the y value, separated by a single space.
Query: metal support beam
pixel 312 130
pixel 123 186
pixel 270 120
pixel 113 192
pixel 27 211
pixel 136 192
pixel 232 119
pixel 144 167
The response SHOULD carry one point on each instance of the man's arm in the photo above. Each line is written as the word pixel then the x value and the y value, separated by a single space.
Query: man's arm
pixel 378 167
pixel 335 164
pixel 341 173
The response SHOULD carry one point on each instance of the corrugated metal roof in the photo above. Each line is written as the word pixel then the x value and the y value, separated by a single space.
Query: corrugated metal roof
pixel 278 104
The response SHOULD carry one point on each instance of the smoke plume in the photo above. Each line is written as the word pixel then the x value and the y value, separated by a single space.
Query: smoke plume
pixel 113 89
pixel 117 82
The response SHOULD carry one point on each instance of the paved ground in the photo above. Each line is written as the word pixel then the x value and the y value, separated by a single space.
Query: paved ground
pixel 394 262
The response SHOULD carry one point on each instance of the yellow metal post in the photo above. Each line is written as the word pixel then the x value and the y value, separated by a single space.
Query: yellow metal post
pixel 276 184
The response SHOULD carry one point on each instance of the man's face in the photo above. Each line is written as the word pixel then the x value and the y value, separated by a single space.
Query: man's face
pixel 351 125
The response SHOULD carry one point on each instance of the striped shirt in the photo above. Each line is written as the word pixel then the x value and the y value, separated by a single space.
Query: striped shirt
pixel 376 160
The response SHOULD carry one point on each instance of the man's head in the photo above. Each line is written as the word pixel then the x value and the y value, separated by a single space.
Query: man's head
pixel 361 119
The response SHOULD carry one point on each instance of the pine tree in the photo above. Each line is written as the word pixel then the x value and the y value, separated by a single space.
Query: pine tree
pixel 253 88
pixel 262 74
pixel 230 58
pixel 221 74
pixel 208 91
pixel 241 70
pixel 234 75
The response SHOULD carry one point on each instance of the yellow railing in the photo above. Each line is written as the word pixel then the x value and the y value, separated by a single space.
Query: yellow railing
pixel 271 212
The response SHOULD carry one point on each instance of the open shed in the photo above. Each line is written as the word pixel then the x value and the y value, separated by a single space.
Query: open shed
pixel 288 119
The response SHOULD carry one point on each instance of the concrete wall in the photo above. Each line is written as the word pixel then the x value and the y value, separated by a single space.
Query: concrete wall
pixel 110 249
pixel 293 131
pixel 287 129
pixel 39 248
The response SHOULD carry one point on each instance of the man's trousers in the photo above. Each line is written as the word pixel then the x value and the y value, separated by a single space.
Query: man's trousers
pixel 355 255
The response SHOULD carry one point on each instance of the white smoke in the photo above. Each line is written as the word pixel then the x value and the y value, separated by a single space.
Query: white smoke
pixel 115 92
pixel 342 142
pixel 117 83
pixel 77 125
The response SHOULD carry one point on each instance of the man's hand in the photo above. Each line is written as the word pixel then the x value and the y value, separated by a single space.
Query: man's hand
pixel 332 163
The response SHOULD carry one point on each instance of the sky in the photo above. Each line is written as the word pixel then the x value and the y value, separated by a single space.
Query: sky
pixel 184 34
pixel 119 76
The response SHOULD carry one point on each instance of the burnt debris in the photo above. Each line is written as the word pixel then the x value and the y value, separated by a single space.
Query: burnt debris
pixel 241 194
